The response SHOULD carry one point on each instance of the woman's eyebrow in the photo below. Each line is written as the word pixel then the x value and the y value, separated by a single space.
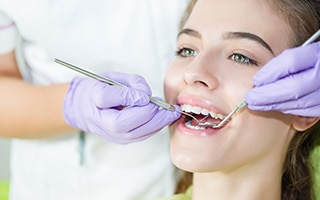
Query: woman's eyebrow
pixel 230 35
pixel 189 32
pixel 250 36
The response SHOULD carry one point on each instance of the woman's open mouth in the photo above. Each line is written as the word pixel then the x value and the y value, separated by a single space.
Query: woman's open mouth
pixel 202 115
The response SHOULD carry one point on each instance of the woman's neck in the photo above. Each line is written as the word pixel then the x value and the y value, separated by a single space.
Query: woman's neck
pixel 242 184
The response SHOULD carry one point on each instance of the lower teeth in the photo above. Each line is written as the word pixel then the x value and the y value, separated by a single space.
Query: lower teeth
pixel 189 125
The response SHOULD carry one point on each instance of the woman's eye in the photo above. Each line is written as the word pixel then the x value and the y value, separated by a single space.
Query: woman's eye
pixel 186 52
pixel 242 59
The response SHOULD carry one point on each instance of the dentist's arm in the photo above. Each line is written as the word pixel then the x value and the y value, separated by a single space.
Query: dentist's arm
pixel 29 111
pixel 289 83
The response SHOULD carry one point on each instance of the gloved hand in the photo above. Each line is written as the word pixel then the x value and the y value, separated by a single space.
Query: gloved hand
pixel 117 114
pixel 289 83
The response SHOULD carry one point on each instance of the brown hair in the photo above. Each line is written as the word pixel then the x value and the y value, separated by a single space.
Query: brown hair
pixel 303 17
pixel 297 181
pixel 187 13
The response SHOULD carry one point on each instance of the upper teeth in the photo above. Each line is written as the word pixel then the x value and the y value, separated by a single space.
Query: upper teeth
pixel 202 111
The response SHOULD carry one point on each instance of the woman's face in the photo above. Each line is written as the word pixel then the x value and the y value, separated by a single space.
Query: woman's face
pixel 223 44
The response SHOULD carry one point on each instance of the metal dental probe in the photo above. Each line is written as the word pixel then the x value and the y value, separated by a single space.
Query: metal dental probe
pixel 154 100
pixel 242 103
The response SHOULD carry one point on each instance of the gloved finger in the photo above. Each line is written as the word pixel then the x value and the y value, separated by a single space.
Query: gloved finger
pixel 306 112
pixel 130 80
pixel 108 96
pixel 127 140
pixel 162 118
pixel 290 88
pixel 123 121
pixel 289 62
pixel 304 106
pixel 139 139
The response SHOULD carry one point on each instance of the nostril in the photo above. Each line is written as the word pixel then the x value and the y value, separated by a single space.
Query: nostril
pixel 201 83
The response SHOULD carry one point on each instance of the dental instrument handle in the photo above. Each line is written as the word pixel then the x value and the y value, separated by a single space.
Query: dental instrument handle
pixel 315 36
pixel 154 100
pixel 162 104
pixel 88 73
pixel 240 105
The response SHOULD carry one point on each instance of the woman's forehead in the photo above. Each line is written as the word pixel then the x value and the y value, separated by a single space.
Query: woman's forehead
pixel 213 17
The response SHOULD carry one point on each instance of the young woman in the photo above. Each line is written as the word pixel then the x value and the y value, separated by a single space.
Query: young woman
pixel 258 154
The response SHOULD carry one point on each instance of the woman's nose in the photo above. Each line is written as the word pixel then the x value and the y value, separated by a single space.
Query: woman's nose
pixel 201 73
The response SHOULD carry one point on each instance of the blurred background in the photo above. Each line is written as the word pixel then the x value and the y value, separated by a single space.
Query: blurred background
pixel 4 159
pixel 4 168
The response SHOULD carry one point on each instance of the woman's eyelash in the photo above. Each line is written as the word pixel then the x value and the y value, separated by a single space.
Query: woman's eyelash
pixel 186 52
pixel 239 58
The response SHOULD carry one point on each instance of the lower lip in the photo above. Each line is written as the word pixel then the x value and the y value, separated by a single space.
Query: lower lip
pixel 203 133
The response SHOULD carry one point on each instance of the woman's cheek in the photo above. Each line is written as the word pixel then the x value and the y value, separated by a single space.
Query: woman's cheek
pixel 172 84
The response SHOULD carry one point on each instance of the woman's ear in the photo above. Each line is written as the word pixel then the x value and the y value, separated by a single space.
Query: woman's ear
pixel 303 123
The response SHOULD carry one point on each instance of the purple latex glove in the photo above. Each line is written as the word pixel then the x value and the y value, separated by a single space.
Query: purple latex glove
pixel 97 107
pixel 289 83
